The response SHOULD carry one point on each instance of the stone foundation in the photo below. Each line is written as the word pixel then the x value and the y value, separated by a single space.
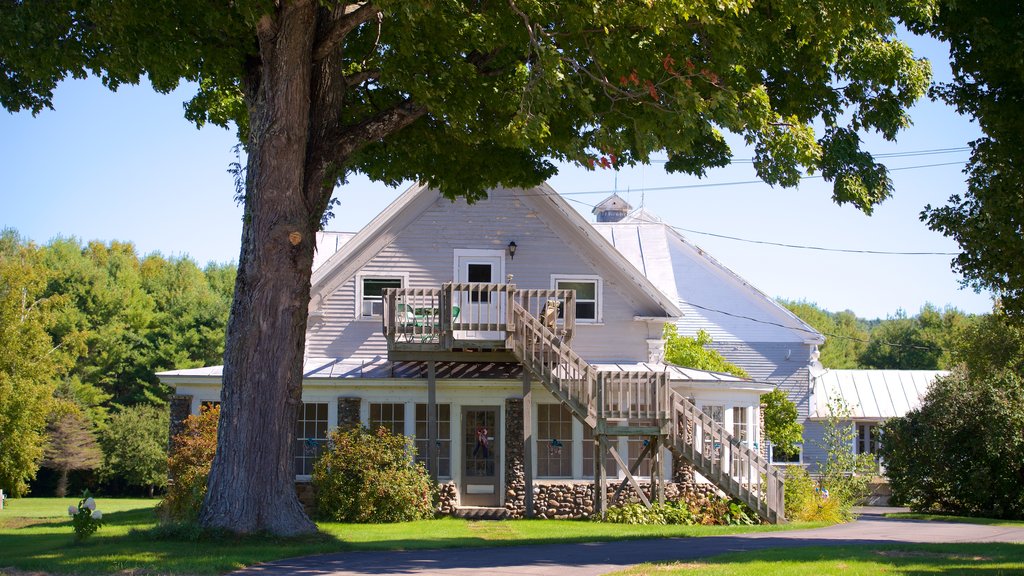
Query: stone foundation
pixel 307 497
pixel 447 498
pixel 575 499
pixel 515 473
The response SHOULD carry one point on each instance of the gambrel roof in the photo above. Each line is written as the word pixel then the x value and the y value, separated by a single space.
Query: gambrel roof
pixel 712 297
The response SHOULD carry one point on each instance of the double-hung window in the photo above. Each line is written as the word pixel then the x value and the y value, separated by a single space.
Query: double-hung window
pixel 588 296
pixel 371 294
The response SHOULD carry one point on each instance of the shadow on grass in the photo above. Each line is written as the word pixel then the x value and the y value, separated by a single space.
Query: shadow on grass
pixel 903 559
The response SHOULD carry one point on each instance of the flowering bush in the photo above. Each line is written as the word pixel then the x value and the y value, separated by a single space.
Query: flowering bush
pixel 368 476
pixel 85 518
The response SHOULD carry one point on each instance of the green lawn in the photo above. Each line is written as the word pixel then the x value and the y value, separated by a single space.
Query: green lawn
pixel 35 534
pixel 988 559
pixel 950 518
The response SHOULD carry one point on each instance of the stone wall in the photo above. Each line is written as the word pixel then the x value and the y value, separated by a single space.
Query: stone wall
pixel 348 412
pixel 447 498
pixel 515 473
pixel 575 499
pixel 181 408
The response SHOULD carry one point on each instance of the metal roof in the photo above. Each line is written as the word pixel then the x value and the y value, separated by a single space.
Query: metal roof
pixel 871 394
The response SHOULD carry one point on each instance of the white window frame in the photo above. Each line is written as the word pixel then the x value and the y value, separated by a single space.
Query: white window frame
pixel 404 279
pixel 598 293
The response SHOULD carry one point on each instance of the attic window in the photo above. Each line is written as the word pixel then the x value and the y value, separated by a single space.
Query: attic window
pixel 371 297
pixel 588 296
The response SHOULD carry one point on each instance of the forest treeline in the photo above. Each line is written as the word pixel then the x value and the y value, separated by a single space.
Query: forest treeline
pixel 924 341
pixel 84 328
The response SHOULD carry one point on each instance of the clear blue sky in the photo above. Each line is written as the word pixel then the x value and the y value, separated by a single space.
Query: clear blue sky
pixel 128 166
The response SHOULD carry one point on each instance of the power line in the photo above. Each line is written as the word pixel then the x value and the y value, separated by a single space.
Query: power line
pixel 905 154
pixel 815 332
pixel 795 246
pixel 818 248
pixel 740 182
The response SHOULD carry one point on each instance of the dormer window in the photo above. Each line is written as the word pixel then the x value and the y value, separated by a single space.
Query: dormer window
pixel 588 295
pixel 372 294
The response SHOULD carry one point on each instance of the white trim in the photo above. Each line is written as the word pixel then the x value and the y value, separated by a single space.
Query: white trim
pixel 470 253
pixel 598 293
pixel 360 277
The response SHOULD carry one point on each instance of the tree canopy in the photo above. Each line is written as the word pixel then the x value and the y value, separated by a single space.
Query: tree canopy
pixel 987 220
pixel 462 96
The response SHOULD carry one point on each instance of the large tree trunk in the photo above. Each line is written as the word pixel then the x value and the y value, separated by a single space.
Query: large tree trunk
pixel 252 481
pixel 296 148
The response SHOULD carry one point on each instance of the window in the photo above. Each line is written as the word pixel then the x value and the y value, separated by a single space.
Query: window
pixel 208 405
pixel 588 296
pixel 554 441
pixel 780 457
pixel 310 436
pixel 372 295
pixel 444 438
pixel 389 416
pixel 588 455
pixel 711 448
pixel 636 445
pixel 868 438
pixel 740 426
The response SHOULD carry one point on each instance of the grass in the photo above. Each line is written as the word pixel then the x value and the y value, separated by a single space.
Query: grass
pixel 951 518
pixel 988 559
pixel 36 535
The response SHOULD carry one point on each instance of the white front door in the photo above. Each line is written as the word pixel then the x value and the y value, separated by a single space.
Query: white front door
pixel 480 308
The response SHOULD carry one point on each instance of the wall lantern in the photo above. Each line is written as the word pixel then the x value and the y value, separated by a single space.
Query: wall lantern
pixel 512 250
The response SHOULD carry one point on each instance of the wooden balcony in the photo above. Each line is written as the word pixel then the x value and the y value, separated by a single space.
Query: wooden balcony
pixel 468 321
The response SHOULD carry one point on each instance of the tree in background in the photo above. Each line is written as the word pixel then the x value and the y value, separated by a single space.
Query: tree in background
pixel 693 353
pixel 846 335
pixel 71 445
pixel 462 96
pixel 781 426
pixel 28 367
pixel 921 342
pixel 962 451
pixel 135 447
pixel 985 45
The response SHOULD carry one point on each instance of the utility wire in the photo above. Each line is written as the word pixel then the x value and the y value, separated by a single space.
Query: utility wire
pixel 815 332
pixel 905 154
pixel 739 182
pixel 796 246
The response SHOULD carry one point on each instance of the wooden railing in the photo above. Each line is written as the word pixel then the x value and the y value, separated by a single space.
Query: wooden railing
pixel 467 311
pixel 734 467
pixel 636 396
pixel 527 321
pixel 551 360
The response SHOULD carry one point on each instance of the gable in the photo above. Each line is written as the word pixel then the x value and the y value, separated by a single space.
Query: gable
pixel 537 219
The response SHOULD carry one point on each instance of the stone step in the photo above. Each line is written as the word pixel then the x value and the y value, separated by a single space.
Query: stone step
pixel 481 513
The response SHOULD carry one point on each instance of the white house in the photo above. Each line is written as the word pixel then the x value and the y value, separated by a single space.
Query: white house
pixel 522 347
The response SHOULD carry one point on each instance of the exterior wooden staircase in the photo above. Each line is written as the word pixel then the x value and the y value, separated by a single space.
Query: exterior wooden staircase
pixel 438 323
pixel 646 402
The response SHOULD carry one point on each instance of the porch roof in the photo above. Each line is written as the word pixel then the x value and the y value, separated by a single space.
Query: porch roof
pixel 679 373
pixel 871 394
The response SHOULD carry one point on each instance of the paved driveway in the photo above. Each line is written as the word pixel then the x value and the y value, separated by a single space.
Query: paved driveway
pixel 601 557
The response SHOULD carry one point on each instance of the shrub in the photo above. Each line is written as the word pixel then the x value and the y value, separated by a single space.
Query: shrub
pixel 845 475
pixel 634 513
pixel 962 451
pixel 805 501
pixel 189 466
pixel 86 519
pixel 370 477
pixel 692 509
